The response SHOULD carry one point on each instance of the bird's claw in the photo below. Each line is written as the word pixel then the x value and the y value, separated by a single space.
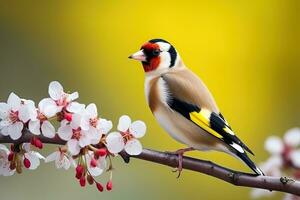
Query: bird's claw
pixel 179 153
pixel 177 170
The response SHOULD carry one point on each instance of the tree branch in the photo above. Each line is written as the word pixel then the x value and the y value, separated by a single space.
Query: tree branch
pixel 282 184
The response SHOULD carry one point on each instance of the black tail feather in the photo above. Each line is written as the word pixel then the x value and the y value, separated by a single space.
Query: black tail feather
pixel 245 158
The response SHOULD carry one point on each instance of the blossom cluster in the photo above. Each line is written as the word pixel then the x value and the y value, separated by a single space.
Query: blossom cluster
pixel 89 144
pixel 284 160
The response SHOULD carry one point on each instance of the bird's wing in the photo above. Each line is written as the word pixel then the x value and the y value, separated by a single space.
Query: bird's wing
pixel 184 98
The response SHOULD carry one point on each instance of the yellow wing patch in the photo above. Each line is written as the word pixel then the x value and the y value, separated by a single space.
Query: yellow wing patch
pixel 202 120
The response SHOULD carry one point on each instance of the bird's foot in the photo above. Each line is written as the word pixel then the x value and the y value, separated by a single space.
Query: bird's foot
pixel 180 153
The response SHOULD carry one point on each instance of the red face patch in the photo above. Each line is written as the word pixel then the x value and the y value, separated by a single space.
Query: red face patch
pixel 153 60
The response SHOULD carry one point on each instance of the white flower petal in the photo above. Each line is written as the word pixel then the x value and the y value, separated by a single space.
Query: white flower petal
pixel 5 170
pixel 51 110
pixel 64 122
pixel 37 154
pixel 4 148
pixel 273 162
pixel 5 131
pixel 48 107
pixel 24 115
pixel 133 147
pixel 85 123
pixel 55 90
pixel 104 126
pixel 14 101
pixel 65 132
pixel 15 130
pixel 29 102
pixel 95 171
pixel 73 146
pixel 4 123
pixel 292 137
pixel 4 110
pixel 94 135
pixel 84 139
pixel 124 123
pixel 98 170
pixel 52 157
pixel 66 163
pixel 115 142
pixel 62 162
pixel 34 160
pixel 48 129
pixel 76 121
pixel 26 147
pixel 34 127
pixel 101 162
pixel 295 157
pixel 73 96
pixel 32 112
pixel 274 145
pixel 44 103
pixel 91 110
pixel 72 162
pixel 138 129
pixel 75 107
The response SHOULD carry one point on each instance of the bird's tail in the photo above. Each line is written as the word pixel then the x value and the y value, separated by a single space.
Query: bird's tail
pixel 245 158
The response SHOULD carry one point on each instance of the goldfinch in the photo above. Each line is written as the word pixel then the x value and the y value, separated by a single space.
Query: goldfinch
pixel 184 106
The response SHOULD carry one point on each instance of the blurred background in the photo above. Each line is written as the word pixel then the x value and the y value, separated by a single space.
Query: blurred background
pixel 247 52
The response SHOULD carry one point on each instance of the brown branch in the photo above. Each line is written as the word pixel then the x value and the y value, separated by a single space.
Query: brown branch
pixel 282 184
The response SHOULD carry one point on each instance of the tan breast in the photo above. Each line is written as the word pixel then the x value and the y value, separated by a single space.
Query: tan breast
pixel 180 128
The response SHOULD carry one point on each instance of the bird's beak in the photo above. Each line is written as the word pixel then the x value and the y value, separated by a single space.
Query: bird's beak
pixel 138 56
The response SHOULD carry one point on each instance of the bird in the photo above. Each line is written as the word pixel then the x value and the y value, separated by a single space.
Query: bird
pixel 183 105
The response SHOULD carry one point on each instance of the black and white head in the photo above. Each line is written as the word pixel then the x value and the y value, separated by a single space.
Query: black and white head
pixel 157 55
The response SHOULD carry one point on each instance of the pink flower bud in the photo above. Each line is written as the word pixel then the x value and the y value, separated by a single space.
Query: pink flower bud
pixel 101 152
pixel 93 162
pixel 26 162
pixel 68 116
pixel 99 187
pixel 38 143
pixel 109 185
pixel 32 141
pixel 82 181
pixel 79 171
pixel 78 176
pixel 10 156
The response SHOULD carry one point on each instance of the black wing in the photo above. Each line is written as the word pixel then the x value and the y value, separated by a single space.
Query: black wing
pixel 212 122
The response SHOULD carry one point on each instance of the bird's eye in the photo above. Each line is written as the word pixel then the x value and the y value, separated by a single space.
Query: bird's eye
pixel 156 52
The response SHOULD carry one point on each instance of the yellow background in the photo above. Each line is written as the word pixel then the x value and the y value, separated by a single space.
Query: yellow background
pixel 246 51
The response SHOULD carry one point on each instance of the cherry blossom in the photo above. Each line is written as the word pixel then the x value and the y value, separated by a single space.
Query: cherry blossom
pixel 90 120
pixel 62 99
pixel 32 156
pixel 95 165
pixel 286 148
pixel 96 127
pixel 88 146
pixel 284 160
pixel 76 137
pixel 61 159
pixel 13 115
pixel 46 110
pixel 4 163
pixel 127 136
